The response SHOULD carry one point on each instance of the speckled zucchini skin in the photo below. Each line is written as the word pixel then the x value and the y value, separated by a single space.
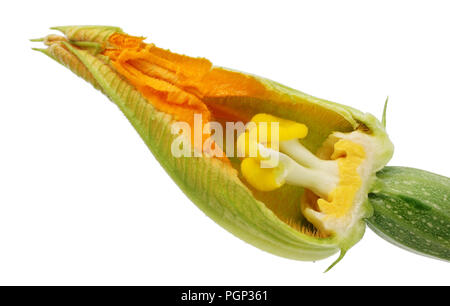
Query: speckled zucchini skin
pixel 412 210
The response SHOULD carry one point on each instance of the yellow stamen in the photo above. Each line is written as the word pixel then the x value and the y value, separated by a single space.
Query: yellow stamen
pixel 265 127
pixel 287 129
pixel 263 179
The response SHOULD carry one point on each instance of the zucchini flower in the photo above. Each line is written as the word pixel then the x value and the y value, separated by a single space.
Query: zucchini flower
pixel 292 173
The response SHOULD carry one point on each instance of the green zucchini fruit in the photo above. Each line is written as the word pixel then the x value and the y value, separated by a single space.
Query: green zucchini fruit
pixel 412 210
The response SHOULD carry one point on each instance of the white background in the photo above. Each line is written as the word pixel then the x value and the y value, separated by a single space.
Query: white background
pixel 82 200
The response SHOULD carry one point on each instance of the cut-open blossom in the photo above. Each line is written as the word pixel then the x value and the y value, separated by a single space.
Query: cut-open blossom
pixel 297 187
